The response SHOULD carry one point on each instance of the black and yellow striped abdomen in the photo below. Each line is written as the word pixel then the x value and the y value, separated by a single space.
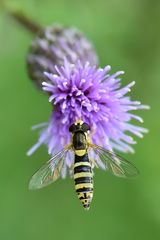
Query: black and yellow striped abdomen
pixel 83 177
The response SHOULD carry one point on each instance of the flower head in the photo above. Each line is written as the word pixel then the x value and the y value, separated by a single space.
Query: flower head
pixel 52 45
pixel 84 91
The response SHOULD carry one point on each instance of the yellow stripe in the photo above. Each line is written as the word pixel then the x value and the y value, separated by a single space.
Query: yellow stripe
pixel 82 174
pixel 82 164
pixel 80 152
pixel 83 185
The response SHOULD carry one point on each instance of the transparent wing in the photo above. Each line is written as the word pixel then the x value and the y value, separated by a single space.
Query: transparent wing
pixel 49 172
pixel 114 163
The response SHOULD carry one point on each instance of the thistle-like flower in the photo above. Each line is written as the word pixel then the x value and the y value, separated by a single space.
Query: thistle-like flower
pixel 92 94
pixel 77 88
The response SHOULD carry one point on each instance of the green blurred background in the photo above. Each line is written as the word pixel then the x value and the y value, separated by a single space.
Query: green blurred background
pixel 126 35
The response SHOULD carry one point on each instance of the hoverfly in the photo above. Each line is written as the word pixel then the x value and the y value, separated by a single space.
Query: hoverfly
pixel 83 164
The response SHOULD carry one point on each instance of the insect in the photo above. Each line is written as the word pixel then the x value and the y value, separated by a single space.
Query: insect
pixel 83 164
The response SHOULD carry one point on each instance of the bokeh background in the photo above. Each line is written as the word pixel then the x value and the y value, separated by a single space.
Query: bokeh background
pixel 126 35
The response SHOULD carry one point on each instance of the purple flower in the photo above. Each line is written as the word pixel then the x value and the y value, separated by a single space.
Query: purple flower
pixel 83 91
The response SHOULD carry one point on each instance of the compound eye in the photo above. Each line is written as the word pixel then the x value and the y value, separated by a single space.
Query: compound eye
pixel 85 127
pixel 72 128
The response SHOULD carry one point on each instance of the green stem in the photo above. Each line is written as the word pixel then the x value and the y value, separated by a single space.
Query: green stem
pixel 27 23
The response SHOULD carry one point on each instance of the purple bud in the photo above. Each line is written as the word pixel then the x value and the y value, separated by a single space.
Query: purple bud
pixel 53 45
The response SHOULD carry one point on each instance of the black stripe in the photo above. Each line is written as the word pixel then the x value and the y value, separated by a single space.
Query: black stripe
pixel 84 190
pixel 82 168
pixel 83 158
pixel 88 199
pixel 83 180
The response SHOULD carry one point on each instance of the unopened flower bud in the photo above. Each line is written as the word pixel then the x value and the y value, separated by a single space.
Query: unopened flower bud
pixel 52 46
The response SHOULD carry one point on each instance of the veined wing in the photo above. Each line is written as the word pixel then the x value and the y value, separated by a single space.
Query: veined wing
pixel 49 172
pixel 114 163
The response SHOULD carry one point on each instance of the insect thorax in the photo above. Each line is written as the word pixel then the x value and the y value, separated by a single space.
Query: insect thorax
pixel 79 131
pixel 79 140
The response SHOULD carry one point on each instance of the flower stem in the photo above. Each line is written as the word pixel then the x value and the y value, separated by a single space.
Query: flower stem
pixel 27 23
